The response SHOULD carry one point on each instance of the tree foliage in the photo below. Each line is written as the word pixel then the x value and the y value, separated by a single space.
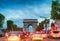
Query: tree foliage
pixel 41 25
pixel 46 21
pixel 2 17
pixel 4 30
pixel 55 10
pixel 9 24
pixel 14 27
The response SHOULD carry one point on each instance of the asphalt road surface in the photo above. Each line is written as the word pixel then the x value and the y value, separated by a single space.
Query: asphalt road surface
pixel 27 39
pixel 48 39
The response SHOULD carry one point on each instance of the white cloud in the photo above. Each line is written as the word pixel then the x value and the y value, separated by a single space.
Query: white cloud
pixel 28 12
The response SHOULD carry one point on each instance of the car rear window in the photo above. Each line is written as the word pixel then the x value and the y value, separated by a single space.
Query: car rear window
pixel 56 32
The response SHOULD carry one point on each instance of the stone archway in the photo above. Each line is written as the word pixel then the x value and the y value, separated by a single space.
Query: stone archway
pixel 28 22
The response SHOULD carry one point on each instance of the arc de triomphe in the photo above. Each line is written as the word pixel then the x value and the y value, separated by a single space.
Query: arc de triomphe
pixel 28 22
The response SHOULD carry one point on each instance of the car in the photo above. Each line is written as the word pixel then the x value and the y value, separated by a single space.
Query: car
pixel 12 36
pixel 44 35
pixel 37 37
pixel 55 34
pixel 27 34
pixel 23 35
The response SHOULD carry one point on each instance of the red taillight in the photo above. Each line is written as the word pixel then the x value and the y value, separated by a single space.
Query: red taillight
pixel 59 33
pixel 27 34
pixel 18 35
pixel 37 32
pixel 7 35
pixel 51 32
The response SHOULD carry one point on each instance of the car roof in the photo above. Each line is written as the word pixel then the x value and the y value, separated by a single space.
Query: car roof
pixel 15 32
pixel 56 31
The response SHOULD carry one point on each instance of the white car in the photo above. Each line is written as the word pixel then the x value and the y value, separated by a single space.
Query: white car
pixel 12 37
pixel 44 35
pixel 55 34
pixel 37 37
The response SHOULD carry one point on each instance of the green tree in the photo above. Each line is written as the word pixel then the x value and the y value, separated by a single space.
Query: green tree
pixel 41 25
pixel 19 29
pixel 14 27
pixel 9 24
pixel 55 10
pixel 46 21
pixel 4 30
pixel 2 17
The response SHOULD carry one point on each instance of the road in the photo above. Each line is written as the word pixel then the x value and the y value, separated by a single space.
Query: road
pixel 47 39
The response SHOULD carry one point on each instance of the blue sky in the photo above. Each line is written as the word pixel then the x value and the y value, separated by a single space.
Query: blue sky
pixel 25 9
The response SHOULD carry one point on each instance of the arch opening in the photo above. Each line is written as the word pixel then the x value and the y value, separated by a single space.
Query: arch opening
pixel 30 28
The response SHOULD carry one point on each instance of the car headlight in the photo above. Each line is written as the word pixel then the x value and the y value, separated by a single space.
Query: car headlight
pixel 13 38
pixel 38 38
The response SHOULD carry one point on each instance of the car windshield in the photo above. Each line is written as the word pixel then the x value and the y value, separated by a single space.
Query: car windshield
pixel 56 32
pixel 15 32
